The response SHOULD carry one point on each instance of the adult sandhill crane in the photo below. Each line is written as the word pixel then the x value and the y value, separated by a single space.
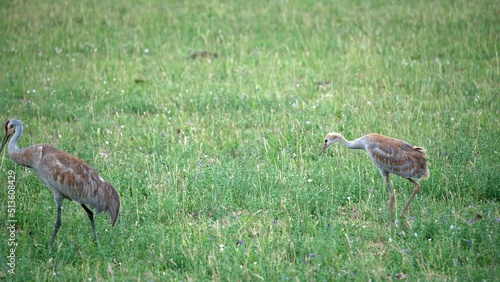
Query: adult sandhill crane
pixel 390 156
pixel 65 175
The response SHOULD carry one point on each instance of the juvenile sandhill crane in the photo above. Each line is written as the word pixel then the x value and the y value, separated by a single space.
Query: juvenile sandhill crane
pixel 65 175
pixel 390 156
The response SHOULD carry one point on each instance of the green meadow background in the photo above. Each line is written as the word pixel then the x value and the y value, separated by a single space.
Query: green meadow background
pixel 208 117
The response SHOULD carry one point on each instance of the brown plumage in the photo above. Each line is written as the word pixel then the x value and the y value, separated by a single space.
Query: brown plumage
pixel 390 156
pixel 65 175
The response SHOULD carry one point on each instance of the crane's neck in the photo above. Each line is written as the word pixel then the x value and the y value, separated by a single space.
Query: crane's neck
pixel 27 157
pixel 355 144
pixel 13 147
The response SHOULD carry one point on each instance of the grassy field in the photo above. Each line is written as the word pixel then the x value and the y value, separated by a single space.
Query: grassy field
pixel 216 158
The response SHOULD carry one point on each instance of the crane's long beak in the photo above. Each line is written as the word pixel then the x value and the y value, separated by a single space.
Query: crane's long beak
pixel 5 139
pixel 324 148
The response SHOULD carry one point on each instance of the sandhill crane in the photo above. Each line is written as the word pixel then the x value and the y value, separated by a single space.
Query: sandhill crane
pixel 65 175
pixel 390 156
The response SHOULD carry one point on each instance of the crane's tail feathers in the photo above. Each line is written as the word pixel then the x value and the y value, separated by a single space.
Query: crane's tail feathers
pixel 422 150
pixel 111 201
pixel 426 175
pixel 114 206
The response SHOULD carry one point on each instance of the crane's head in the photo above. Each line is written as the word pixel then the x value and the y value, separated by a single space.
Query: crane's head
pixel 330 139
pixel 10 128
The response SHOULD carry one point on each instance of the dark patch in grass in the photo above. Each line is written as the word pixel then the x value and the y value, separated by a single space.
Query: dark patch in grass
pixel 203 54
pixel 139 81
pixel 324 83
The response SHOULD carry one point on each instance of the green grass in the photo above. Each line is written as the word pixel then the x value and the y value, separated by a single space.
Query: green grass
pixel 216 161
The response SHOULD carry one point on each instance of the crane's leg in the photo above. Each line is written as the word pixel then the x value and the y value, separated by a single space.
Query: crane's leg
pixel 415 191
pixel 391 193
pixel 90 214
pixel 58 220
